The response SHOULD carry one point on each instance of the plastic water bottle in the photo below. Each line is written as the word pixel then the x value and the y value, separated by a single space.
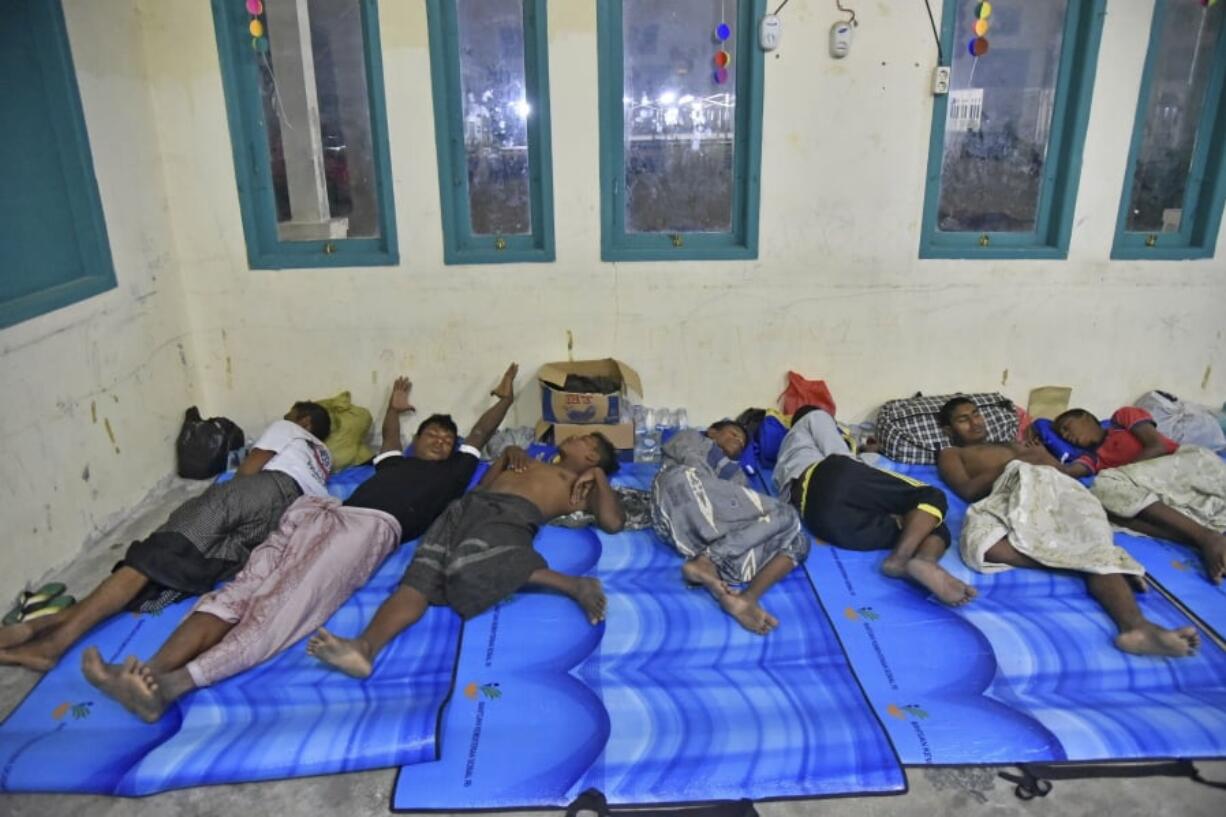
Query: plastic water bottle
pixel 681 419
pixel 646 438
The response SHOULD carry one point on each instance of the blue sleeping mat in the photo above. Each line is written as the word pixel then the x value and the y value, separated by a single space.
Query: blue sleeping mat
pixel 668 701
pixel 286 718
pixel 1027 672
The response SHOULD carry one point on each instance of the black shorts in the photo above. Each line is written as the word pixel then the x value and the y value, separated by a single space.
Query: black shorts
pixel 855 506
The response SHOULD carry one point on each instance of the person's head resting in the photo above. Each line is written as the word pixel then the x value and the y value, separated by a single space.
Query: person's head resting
pixel 578 454
pixel 730 436
pixel 1079 427
pixel 435 438
pixel 962 423
pixel 311 416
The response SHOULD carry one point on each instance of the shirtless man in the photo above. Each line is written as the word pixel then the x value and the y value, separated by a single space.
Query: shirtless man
pixel 1013 523
pixel 480 550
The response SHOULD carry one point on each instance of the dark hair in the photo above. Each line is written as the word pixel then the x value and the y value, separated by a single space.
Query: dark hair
pixel 1069 415
pixel 442 420
pixel 803 410
pixel 946 415
pixel 321 423
pixel 720 425
pixel 607 453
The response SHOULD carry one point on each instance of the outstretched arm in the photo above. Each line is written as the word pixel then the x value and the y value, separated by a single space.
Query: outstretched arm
pixel 593 493
pixel 494 415
pixel 397 404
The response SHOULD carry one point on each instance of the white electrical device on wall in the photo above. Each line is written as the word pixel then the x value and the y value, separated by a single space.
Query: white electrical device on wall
pixel 840 39
pixel 769 32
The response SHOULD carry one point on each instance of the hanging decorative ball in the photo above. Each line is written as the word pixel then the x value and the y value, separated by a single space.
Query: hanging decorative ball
pixel 984 10
pixel 722 59
pixel 256 28
pixel 1207 3
pixel 978 46
pixel 981 28
pixel 255 7
pixel 722 32
pixel 720 76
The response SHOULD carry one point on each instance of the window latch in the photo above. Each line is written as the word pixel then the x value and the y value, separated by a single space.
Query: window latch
pixel 500 243
pixel 984 240
pixel 329 248
pixel 1151 240
pixel 678 240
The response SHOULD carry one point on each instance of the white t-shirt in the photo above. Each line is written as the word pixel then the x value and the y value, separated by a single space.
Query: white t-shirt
pixel 299 453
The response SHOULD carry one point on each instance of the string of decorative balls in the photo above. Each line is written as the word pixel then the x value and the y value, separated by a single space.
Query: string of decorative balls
pixel 722 58
pixel 978 46
pixel 255 27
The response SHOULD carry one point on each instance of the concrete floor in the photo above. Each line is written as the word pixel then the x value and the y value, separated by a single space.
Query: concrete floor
pixel 957 791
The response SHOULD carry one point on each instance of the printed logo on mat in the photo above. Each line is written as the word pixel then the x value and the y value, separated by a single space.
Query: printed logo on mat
pixel 857 613
pixel 80 710
pixel 473 690
pixel 901 712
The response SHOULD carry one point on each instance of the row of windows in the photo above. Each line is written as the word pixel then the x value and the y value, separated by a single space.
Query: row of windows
pixel 681 87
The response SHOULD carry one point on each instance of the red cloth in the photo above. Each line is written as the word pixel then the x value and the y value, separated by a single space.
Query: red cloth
pixel 801 392
pixel 1121 446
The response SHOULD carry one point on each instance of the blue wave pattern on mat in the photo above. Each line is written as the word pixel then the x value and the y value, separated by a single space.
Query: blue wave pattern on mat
pixel 1026 672
pixel 667 701
pixel 286 718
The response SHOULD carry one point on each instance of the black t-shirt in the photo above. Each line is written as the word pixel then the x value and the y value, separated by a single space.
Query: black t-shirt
pixel 415 491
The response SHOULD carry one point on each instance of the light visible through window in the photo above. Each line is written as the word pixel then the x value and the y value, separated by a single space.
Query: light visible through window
pixel 496 112
pixel 1181 69
pixel 999 119
pixel 679 104
pixel 317 115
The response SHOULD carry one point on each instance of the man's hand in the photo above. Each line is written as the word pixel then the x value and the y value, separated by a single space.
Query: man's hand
pixel 586 482
pixel 399 401
pixel 1034 452
pixel 517 459
pixel 505 390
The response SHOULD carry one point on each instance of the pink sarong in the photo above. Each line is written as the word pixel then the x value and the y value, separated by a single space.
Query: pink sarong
pixel 294 581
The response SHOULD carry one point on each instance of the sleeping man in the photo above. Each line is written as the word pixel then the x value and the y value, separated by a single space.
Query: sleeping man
pixel 728 533
pixel 1150 483
pixel 319 555
pixel 855 506
pixel 480 550
pixel 1026 513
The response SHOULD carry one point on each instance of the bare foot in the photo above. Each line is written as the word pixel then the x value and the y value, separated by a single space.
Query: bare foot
pixel 349 655
pixel 894 566
pixel 125 683
pixel 1150 639
pixel 748 614
pixel 39 655
pixel 944 586
pixel 1213 553
pixel 15 634
pixel 591 598
pixel 701 571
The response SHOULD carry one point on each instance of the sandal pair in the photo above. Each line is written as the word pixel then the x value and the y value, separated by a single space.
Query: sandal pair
pixel 44 601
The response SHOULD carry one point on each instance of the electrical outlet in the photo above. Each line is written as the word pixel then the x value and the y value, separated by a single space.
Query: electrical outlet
pixel 940 80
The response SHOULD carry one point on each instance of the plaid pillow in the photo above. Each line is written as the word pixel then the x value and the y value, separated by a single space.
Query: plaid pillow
pixel 909 431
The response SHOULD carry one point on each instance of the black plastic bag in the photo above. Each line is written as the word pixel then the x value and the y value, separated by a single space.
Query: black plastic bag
pixel 204 445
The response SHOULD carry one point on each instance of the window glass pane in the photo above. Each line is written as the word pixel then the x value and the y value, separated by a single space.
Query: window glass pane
pixel 496 111
pixel 317 115
pixel 999 117
pixel 1179 78
pixel 679 115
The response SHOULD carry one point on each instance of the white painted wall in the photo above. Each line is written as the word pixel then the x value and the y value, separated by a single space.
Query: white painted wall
pixel 93 394
pixel 838 291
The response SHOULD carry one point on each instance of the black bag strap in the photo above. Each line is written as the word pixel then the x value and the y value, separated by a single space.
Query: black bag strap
pixel 593 801
pixel 1035 778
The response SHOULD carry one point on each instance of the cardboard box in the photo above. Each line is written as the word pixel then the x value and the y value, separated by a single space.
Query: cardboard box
pixel 620 434
pixel 558 406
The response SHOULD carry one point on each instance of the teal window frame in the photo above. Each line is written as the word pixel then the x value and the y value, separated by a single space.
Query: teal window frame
pixel 1206 190
pixel 460 244
pixel 741 242
pixel 253 161
pixel 1083 28
pixel 64 108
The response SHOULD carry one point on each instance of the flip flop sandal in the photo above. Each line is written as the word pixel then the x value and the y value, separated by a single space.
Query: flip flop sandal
pixel 28 601
pixel 48 607
pixel 44 594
